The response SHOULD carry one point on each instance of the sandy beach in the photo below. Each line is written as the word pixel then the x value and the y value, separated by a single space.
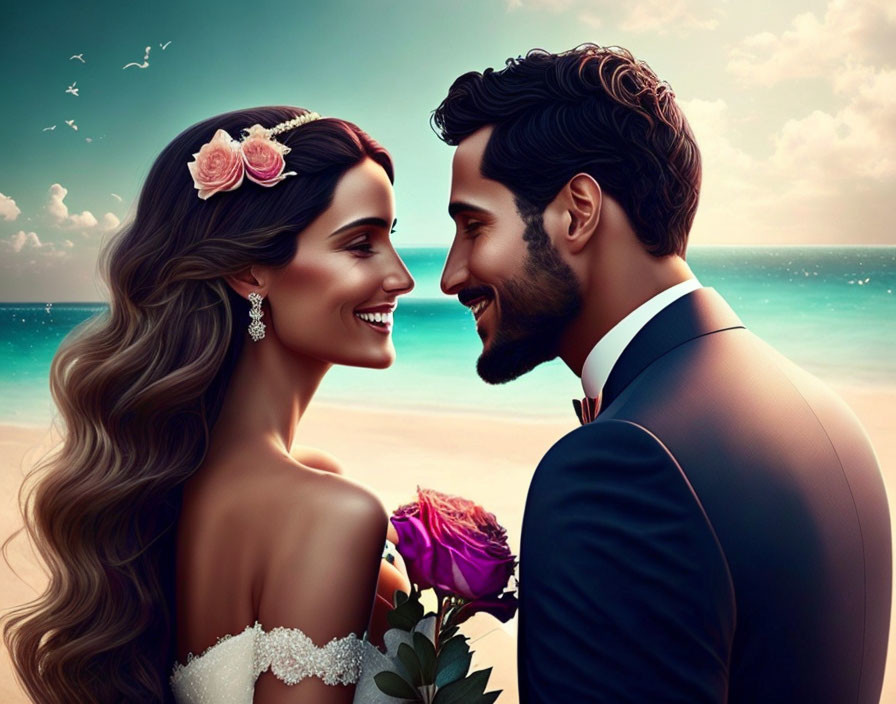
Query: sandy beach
pixel 488 459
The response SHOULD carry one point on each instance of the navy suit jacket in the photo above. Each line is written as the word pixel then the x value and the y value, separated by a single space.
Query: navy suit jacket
pixel 719 533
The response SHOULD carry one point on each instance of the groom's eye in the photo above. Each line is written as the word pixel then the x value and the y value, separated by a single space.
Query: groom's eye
pixel 472 227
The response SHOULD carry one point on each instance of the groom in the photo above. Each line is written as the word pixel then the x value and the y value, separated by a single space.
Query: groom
pixel 717 529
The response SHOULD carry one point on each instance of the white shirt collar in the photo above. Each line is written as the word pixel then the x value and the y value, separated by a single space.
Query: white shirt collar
pixel 603 357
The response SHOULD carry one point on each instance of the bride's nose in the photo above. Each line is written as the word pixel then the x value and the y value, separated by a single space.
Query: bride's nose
pixel 399 280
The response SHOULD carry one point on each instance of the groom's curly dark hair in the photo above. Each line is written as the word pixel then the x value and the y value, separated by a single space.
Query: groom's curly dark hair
pixel 594 110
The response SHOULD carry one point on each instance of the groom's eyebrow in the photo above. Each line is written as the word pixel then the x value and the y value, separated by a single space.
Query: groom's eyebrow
pixel 375 222
pixel 457 206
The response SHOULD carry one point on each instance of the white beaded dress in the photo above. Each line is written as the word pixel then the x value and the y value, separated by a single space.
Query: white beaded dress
pixel 227 670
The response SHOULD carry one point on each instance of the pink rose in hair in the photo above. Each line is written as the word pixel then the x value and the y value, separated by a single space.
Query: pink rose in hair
pixel 456 547
pixel 263 157
pixel 218 166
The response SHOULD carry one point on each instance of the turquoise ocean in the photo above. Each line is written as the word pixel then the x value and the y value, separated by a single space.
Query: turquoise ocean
pixel 832 310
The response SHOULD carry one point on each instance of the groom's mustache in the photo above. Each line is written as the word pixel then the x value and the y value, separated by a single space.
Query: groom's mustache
pixel 468 295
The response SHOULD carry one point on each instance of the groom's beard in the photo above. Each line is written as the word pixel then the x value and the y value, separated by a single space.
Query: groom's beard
pixel 535 310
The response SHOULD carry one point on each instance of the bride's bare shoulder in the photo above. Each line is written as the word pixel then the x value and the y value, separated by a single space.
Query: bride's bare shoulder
pixel 258 496
pixel 318 486
pixel 244 520
pixel 297 502
pixel 318 459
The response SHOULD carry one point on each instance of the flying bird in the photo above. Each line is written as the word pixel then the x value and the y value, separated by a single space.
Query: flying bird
pixel 71 123
pixel 165 45
pixel 88 139
pixel 79 57
pixel 45 129
pixel 145 63
pixel 116 197
pixel 71 89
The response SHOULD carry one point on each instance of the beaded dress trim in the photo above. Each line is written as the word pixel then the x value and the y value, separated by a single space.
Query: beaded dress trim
pixel 291 656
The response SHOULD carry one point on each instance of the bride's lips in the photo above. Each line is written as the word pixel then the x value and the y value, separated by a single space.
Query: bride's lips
pixel 378 317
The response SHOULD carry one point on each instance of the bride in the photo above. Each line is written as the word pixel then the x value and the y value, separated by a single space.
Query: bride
pixel 195 551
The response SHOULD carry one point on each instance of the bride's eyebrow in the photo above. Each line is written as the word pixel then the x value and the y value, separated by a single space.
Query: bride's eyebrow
pixel 373 221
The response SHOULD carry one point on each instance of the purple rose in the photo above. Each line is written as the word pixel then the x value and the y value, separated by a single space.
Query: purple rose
pixel 457 548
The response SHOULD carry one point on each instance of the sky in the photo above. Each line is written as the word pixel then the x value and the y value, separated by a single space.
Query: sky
pixel 793 105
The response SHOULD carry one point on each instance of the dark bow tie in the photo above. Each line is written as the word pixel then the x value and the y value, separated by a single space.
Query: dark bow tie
pixel 587 409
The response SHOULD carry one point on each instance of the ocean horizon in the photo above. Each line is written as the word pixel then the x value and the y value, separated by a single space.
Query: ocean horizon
pixel 830 309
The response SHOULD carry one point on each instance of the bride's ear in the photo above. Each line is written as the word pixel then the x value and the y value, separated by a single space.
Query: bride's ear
pixel 251 280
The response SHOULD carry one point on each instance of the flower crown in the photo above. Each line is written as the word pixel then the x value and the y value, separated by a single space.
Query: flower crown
pixel 221 163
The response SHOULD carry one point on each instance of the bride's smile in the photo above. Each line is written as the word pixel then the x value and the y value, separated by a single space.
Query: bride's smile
pixel 343 283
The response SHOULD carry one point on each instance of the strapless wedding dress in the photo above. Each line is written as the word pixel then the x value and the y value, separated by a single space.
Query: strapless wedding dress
pixel 225 673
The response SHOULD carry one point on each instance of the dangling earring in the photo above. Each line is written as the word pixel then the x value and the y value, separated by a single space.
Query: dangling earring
pixel 256 327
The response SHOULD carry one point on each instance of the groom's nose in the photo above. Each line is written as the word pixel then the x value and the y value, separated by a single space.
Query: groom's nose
pixel 455 273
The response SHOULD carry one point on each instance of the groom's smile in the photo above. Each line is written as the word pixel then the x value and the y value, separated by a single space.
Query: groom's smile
pixel 478 299
pixel 522 295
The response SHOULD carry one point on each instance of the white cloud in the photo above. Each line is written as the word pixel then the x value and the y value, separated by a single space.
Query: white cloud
pixel 856 31
pixel 56 207
pixel 110 221
pixel 824 152
pixel 82 220
pixel 665 16
pixel 552 5
pixel 28 243
pixel 826 177
pixel 832 164
pixel 659 16
pixel 59 210
pixel 8 208
pixel 23 239
pixel 730 188
pixel 591 19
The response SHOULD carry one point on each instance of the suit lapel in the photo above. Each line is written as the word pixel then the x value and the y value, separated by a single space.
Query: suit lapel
pixel 698 313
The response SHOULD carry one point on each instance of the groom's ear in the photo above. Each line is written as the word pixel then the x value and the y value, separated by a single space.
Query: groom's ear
pixel 577 208
pixel 250 279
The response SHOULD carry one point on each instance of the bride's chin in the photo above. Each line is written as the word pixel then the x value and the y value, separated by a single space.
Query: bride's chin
pixel 381 364
pixel 373 362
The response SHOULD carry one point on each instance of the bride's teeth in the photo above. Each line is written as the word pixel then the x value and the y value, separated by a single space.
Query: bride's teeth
pixel 381 318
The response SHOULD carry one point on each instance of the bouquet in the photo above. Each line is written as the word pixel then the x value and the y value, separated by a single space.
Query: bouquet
pixel 457 549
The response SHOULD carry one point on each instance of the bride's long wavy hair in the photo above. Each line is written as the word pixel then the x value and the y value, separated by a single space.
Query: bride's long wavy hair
pixel 138 390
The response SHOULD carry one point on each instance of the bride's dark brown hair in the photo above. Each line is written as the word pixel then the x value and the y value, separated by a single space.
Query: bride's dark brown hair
pixel 138 390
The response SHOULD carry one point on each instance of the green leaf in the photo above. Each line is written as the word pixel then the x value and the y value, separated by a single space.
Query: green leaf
pixel 397 619
pixel 409 659
pixel 458 641
pixel 415 605
pixel 464 691
pixel 407 612
pixel 453 661
pixel 393 685
pixel 426 652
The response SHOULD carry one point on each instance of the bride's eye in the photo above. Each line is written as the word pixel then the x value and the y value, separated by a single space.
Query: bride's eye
pixel 361 245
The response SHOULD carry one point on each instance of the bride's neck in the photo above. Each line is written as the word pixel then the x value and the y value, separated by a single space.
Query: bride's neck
pixel 268 393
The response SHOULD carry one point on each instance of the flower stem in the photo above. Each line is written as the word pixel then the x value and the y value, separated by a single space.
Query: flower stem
pixel 439 615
